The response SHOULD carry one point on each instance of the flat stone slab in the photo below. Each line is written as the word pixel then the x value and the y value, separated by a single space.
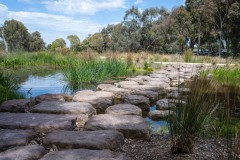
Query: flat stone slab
pixel 57 107
pixel 85 154
pixel 159 115
pixel 31 152
pixel 124 109
pixel 38 122
pixel 119 93
pixel 53 97
pixel 10 138
pixel 101 139
pixel 166 104
pixel 100 100
pixel 149 94
pixel 140 101
pixel 16 105
pixel 131 126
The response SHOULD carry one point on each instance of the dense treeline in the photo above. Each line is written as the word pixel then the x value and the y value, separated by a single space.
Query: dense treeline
pixel 211 25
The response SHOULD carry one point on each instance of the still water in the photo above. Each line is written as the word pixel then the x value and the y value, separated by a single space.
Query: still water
pixel 54 83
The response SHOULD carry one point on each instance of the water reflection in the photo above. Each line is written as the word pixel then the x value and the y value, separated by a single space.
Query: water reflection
pixel 53 83
pixel 157 126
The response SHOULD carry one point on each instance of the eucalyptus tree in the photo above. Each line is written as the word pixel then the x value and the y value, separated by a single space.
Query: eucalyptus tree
pixel 233 25
pixel 36 42
pixel 150 17
pixel 16 35
pixel 58 43
pixel 132 22
pixel 74 42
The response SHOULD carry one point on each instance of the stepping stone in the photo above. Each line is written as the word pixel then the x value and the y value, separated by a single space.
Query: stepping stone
pixel 140 101
pixel 124 109
pixel 57 107
pixel 166 104
pixel 31 152
pixel 135 79
pixel 131 126
pixel 38 122
pixel 119 93
pixel 159 115
pixel 53 97
pixel 100 100
pixel 101 139
pixel 134 87
pixel 85 154
pixel 149 94
pixel 16 105
pixel 10 138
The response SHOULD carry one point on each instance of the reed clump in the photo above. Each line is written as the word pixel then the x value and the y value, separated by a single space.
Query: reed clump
pixel 190 118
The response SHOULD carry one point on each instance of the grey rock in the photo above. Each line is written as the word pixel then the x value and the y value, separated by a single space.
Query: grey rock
pixel 140 101
pixel 168 104
pixel 101 139
pixel 38 122
pixel 119 93
pixel 100 100
pixel 131 126
pixel 124 109
pixel 158 115
pixel 85 154
pixel 31 152
pixel 149 94
pixel 58 107
pixel 10 138
pixel 16 105
pixel 53 97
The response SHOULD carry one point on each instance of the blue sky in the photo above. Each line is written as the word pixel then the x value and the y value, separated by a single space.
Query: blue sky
pixel 60 18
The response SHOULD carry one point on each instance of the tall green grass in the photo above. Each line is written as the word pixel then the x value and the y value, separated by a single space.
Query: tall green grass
pixel 227 75
pixel 8 88
pixel 190 118
pixel 35 59
pixel 94 71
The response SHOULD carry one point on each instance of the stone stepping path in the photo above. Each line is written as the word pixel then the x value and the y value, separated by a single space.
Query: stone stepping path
pixel 101 139
pixel 57 107
pixel 38 122
pixel 57 115
pixel 31 152
pixel 124 109
pixel 131 126
pixel 85 154
pixel 10 138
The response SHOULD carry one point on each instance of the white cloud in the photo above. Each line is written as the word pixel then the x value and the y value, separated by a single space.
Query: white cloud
pixel 138 2
pixel 3 13
pixel 83 6
pixel 55 26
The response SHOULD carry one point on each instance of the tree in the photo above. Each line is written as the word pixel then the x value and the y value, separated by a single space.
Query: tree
pixel 74 42
pixel 58 43
pixel 132 21
pixel 36 43
pixel 16 35
pixel 94 42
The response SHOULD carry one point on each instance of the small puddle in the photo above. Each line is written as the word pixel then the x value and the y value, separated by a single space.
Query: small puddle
pixel 157 126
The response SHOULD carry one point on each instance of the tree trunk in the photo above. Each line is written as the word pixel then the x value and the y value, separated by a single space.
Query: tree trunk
pixel 4 41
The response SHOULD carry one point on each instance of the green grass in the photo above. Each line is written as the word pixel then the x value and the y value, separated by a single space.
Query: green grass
pixel 94 71
pixel 8 88
pixel 190 118
pixel 35 59
pixel 225 75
